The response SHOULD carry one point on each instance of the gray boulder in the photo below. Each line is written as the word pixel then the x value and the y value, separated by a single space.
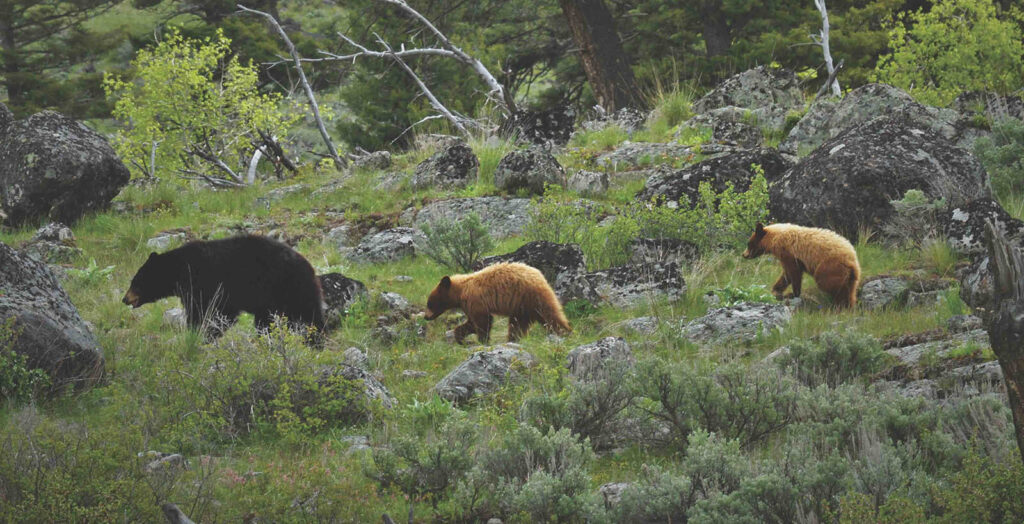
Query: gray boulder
pixel 623 286
pixel 164 241
pixel 977 284
pixel 850 180
pixel 590 361
pixel 641 325
pixel 483 372
pixel 541 127
pixel 911 355
pixel 743 322
pixel 589 183
pixel 454 166
pixel 339 293
pixel 53 243
pixel 528 169
pixel 356 358
pixel 766 92
pixel 629 155
pixel 388 245
pixel 503 217
pixel 54 167
pixel 373 390
pixel 671 185
pixel 51 334
pixel 626 119
pixel 884 292
pixel 828 117
pixel 375 161
pixel 554 260
pixel 964 226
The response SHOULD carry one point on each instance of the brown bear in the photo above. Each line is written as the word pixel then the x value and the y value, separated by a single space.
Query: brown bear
pixel 218 279
pixel 515 290
pixel 827 256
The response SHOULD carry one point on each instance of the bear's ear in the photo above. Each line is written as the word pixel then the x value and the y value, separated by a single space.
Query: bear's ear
pixel 759 229
pixel 446 282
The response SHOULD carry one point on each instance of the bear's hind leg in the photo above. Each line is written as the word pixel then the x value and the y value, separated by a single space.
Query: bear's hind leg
pixel 835 280
pixel 518 326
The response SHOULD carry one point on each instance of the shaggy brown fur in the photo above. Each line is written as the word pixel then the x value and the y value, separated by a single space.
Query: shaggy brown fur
pixel 515 290
pixel 828 257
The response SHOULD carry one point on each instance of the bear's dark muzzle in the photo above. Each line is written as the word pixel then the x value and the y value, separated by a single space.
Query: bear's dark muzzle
pixel 131 298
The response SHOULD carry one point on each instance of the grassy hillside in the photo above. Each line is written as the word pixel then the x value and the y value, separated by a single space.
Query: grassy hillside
pixel 843 451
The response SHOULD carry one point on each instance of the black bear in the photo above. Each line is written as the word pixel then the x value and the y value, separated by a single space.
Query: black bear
pixel 218 279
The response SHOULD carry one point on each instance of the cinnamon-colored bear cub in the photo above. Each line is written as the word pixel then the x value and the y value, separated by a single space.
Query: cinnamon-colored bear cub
pixel 515 290
pixel 826 255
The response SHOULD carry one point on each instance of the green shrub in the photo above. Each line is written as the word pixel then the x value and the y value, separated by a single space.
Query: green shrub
pixel 765 498
pixel 530 476
pixel 732 400
pixel 191 95
pixel 18 382
pixel 833 358
pixel 732 295
pixel 1002 154
pixel 457 244
pixel 428 466
pixel 956 46
pixel 657 496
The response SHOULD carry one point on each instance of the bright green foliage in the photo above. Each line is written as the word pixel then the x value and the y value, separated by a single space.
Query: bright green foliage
pixel 1002 154
pixel 457 244
pixel 732 295
pixel 191 95
pixel 18 382
pixel 957 46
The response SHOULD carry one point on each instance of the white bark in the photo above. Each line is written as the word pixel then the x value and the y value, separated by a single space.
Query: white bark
pixel 340 162
pixel 822 40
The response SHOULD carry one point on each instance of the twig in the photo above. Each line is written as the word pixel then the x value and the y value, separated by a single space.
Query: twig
pixel 420 121
pixel 305 83
pixel 434 102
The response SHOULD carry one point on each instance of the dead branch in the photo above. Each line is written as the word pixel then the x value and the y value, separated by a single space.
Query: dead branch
pixel 208 155
pixel 831 78
pixel 305 83
pixel 822 40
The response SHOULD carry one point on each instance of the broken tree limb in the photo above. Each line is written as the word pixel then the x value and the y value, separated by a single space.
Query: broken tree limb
pixel 456 120
pixel 1006 322
pixel 341 162
pixel 831 77
pixel 833 83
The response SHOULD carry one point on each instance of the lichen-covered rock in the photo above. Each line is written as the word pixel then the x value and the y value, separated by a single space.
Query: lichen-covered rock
pixel 641 325
pixel 339 293
pixel 548 126
pixel 164 241
pixel 389 245
pixel 376 160
pixel 552 259
pixel 626 119
pixel 6 116
pixel 743 322
pixel 503 217
pixel 911 355
pixel 589 182
pixel 766 92
pixel 977 284
pixel 963 323
pixel 629 155
pixel 828 117
pixel 54 232
pixel 849 181
pixel 373 390
pixel 623 286
pixel 54 167
pixel 671 185
pixel 483 372
pixel 590 361
pixel 884 292
pixel 964 226
pixel 50 332
pixel 454 166
pixel 356 358
pixel 528 169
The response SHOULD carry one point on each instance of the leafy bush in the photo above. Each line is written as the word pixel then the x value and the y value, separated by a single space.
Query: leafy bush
pixel 589 409
pixel 732 295
pixel 734 401
pixel 457 244
pixel 18 382
pixel 429 466
pixel 1002 154
pixel 715 221
pixel 274 383
pixel 192 96
pixel 916 216
pixel 657 496
pixel 956 46
pixel 530 476
pixel 833 358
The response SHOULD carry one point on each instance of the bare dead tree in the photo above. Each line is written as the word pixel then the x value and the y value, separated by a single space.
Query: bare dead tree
pixel 297 61
pixel 1005 321
pixel 821 39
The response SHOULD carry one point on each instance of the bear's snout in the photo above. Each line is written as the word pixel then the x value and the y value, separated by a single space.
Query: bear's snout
pixel 131 298
pixel 746 254
pixel 429 315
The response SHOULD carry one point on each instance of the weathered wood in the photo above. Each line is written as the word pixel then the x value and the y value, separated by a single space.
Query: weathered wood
pixel 1006 322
